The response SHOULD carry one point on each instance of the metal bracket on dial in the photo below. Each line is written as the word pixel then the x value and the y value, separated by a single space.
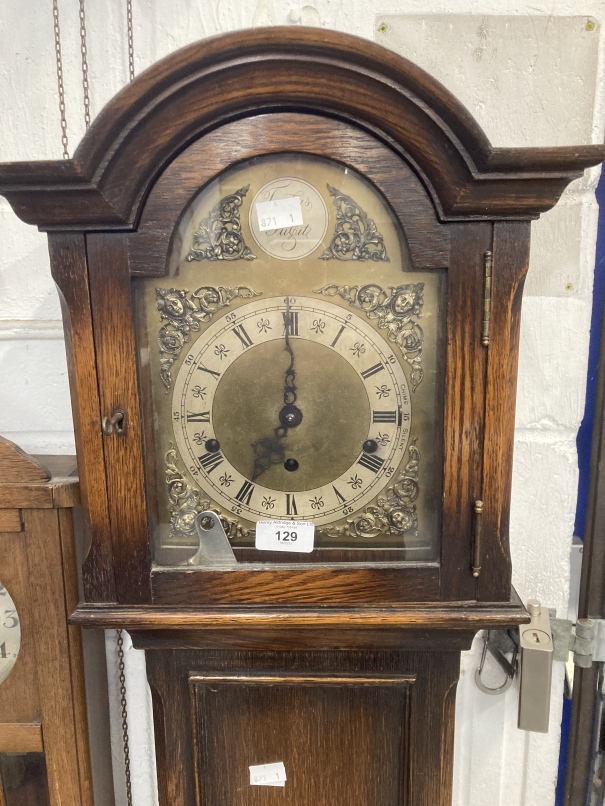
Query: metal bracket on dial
pixel 215 549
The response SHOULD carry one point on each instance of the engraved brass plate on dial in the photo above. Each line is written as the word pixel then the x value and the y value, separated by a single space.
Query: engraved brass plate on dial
pixel 290 241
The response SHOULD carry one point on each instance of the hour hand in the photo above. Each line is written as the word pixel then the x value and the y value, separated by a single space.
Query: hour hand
pixel 268 451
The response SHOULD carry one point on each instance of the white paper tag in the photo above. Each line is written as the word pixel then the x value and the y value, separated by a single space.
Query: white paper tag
pixel 279 213
pixel 268 774
pixel 285 536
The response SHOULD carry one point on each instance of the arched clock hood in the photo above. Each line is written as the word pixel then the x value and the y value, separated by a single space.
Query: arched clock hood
pixel 211 82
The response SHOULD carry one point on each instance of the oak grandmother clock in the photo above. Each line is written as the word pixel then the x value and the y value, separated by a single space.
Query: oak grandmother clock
pixel 291 266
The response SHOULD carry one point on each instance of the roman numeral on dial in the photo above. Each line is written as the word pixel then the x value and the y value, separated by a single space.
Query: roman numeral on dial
pixel 384 417
pixel 371 462
pixel 241 334
pixel 338 495
pixel 198 416
pixel 291 505
pixel 338 335
pixel 291 323
pixel 367 373
pixel 210 461
pixel 245 493
pixel 212 372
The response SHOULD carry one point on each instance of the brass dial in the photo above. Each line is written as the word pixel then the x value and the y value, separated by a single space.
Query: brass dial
pixel 291 407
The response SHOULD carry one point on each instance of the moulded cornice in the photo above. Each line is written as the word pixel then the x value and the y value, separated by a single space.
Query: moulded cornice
pixel 249 72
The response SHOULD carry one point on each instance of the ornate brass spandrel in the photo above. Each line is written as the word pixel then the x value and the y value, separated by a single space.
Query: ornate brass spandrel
pixel 394 513
pixel 395 311
pixel 184 312
pixel 356 236
pixel 186 502
pixel 219 235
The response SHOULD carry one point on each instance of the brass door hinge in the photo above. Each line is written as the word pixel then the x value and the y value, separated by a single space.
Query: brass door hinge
pixel 487 297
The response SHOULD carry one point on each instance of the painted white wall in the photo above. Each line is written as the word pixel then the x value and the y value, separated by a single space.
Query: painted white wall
pixel 532 73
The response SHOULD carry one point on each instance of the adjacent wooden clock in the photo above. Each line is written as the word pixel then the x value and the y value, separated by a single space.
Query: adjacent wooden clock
pixel 292 267
pixel 44 752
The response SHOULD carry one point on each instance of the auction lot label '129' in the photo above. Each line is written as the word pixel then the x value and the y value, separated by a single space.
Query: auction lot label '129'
pixel 296 536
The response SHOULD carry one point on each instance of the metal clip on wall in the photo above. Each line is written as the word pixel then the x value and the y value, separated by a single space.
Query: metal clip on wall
pixel 498 643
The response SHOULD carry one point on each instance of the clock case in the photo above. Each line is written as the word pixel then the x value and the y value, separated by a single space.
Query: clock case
pixel 111 211
pixel 395 632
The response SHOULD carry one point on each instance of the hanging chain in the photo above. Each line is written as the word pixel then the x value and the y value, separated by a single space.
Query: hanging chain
pixel 84 53
pixel 59 62
pixel 64 141
pixel 130 38
pixel 124 704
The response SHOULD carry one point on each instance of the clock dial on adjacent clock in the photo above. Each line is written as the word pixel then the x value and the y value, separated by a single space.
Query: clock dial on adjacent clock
pixel 10 633
pixel 293 365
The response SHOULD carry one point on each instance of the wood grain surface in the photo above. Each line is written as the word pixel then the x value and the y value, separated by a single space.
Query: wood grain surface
pixel 450 615
pixel 351 727
pixel 342 739
pixel 21 738
pixel 10 520
pixel 64 761
pixel 463 407
pixel 76 656
pixel 70 273
pixel 295 586
pixel 117 361
pixel 16 465
pixel 510 264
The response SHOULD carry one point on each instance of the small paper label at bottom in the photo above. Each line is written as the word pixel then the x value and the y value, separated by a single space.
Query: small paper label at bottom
pixel 285 536
pixel 268 774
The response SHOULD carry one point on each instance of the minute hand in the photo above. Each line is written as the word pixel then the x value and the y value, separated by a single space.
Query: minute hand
pixel 289 385
pixel 269 451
